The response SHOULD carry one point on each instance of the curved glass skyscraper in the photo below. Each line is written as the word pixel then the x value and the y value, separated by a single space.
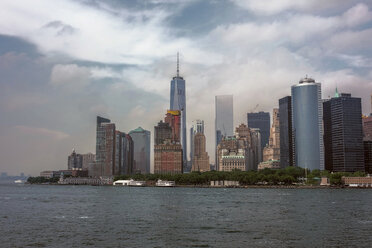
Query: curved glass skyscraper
pixel 307 112
pixel 178 102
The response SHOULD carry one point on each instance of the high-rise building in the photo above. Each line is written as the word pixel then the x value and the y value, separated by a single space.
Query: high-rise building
pixel 141 139
pixel 307 111
pixel 168 153
pixel 343 134
pixel 197 127
pixel 260 120
pixel 271 151
pixel 127 163
pixel 178 102
pixel 88 158
pixel 239 151
pixel 200 160
pixel 224 123
pixel 285 127
pixel 173 118
pixel 114 151
pixel 368 155
pixel 367 127
pixel 162 133
pixel 75 161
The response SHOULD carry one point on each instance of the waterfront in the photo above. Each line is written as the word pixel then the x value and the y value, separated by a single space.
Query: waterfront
pixel 79 216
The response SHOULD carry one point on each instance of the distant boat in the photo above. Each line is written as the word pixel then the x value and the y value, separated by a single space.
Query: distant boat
pixel 130 182
pixel 161 183
pixel 19 181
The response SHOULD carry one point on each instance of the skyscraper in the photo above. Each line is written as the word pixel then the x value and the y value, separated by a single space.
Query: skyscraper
pixel 75 161
pixel 114 151
pixel 260 120
pixel 141 140
pixel 272 149
pixel 343 134
pixel 307 111
pixel 178 102
pixel 224 124
pixel 285 127
pixel 168 157
pixel 197 127
pixel 200 160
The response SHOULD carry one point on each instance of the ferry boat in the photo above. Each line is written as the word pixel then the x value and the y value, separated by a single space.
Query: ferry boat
pixel 19 181
pixel 161 183
pixel 130 182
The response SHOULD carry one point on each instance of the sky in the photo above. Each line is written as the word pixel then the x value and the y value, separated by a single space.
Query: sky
pixel 62 63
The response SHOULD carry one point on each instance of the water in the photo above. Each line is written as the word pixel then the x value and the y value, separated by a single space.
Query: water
pixel 88 216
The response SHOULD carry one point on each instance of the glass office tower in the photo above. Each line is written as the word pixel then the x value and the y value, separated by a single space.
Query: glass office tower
pixel 178 102
pixel 141 141
pixel 307 112
pixel 224 123
pixel 285 128
pixel 343 134
pixel 260 120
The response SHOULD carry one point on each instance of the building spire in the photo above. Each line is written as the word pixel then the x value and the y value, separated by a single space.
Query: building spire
pixel 178 64
pixel 336 93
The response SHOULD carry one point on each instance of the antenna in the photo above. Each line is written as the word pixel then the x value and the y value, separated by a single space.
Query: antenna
pixel 178 64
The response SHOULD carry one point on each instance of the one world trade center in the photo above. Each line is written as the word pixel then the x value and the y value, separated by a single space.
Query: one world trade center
pixel 178 102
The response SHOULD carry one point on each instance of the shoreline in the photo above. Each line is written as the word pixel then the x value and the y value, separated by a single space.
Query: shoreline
pixel 216 187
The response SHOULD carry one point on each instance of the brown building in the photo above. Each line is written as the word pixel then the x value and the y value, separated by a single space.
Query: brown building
pixel 114 151
pixel 87 159
pixel 173 118
pixel 200 160
pixel 367 127
pixel 272 150
pixel 168 153
pixel 168 159
pixel 240 152
pixel 162 133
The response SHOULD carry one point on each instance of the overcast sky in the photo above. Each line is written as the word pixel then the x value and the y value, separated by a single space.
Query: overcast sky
pixel 62 63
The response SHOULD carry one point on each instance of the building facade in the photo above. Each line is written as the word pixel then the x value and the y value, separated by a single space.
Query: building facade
pixel 224 119
pixel 168 153
pixel 307 111
pixel 368 155
pixel 260 120
pixel 196 127
pixel 272 149
pixel 141 140
pixel 75 161
pixel 178 102
pixel 88 158
pixel 114 151
pixel 239 152
pixel 285 128
pixel 200 160
pixel 367 127
pixel 343 134
pixel 168 159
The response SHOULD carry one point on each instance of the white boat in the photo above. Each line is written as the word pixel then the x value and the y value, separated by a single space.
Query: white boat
pixel 161 183
pixel 19 181
pixel 130 182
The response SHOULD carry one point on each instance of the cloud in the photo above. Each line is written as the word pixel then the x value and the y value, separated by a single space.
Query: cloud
pixel 25 100
pixel 60 28
pixel 273 7
pixel 43 132
pixel 70 76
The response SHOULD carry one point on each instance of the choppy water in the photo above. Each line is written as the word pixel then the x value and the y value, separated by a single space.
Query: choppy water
pixel 80 216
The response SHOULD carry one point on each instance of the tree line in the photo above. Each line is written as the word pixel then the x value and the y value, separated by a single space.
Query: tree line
pixel 287 176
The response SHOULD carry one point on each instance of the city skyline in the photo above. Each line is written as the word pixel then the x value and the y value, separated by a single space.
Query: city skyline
pixel 58 75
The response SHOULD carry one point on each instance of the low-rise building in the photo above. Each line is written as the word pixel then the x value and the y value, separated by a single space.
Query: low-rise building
pixel 271 164
pixel 357 181
pixel 224 183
